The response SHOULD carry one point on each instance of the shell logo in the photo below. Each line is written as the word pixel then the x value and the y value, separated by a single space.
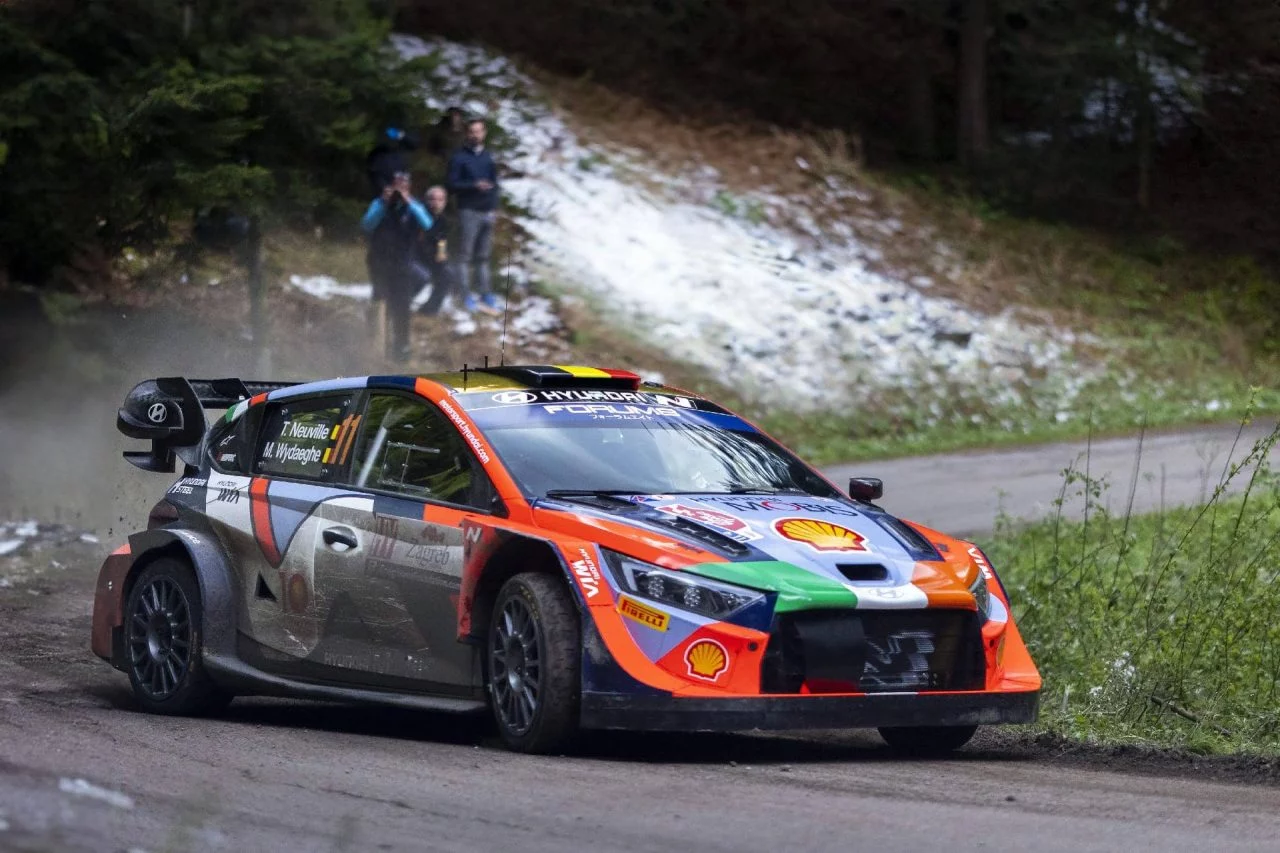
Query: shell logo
pixel 707 659
pixel 820 535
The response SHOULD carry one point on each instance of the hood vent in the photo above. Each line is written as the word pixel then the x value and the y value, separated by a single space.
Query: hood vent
pixel 863 571
pixel 694 530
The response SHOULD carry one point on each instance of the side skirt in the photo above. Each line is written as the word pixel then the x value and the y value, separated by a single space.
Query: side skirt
pixel 240 677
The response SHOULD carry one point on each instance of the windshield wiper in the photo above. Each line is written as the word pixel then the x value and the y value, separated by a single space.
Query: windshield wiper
pixel 611 494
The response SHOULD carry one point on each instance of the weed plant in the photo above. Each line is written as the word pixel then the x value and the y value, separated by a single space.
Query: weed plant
pixel 1160 628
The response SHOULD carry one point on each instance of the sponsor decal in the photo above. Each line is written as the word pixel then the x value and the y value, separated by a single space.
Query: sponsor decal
pixel 983 565
pixel 587 573
pixel 608 411
pixel 515 398
pixel 385 531
pixel 428 556
pixel 731 526
pixel 650 499
pixel 157 413
pixel 707 660
pixel 228 492
pixel 820 535
pixel 582 395
pixel 769 505
pixel 188 485
pixel 228 457
pixel 473 535
pixel 465 429
pixel 308 432
pixel 647 616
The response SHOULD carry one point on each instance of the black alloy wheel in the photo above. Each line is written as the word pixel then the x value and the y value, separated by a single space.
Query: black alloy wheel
pixel 534 664
pixel 163 642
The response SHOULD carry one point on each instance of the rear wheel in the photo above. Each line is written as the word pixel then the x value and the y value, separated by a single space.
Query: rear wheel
pixel 927 740
pixel 163 642
pixel 535 664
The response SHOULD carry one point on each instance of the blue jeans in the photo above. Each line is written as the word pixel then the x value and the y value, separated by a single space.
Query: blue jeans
pixel 475 240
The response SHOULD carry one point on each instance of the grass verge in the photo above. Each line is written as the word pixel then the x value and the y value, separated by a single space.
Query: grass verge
pixel 1156 629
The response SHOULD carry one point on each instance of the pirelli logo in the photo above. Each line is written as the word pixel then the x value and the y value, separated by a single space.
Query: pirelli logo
pixel 647 616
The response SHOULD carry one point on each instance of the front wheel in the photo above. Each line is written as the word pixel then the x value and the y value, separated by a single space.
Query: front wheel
pixel 535 664
pixel 163 640
pixel 927 740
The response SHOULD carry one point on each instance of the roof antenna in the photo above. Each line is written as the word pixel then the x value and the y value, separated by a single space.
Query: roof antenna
pixel 464 376
pixel 506 311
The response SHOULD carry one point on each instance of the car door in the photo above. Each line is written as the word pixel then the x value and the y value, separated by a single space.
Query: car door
pixel 394 594
pixel 299 447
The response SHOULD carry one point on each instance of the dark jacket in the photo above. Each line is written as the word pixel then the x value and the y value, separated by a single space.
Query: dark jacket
pixel 393 234
pixel 465 168
pixel 429 248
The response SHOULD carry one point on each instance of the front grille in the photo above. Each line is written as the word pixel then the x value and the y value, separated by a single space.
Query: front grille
pixel 874 651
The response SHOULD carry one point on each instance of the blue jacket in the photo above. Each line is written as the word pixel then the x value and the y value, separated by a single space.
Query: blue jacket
pixel 465 168
pixel 393 234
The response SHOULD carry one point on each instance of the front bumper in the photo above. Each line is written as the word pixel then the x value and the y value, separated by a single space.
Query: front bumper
pixel 780 713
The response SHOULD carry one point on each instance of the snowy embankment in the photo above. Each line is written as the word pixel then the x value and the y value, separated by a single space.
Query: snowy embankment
pixel 790 316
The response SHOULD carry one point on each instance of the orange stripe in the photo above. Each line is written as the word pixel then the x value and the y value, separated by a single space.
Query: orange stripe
pixel 260 513
pixel 257 398
pixel 348 438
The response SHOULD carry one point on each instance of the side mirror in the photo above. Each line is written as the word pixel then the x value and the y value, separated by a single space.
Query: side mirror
pixel 866 489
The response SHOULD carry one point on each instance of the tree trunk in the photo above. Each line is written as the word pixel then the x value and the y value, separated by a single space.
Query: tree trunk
pixel 971 107
pixel 924 127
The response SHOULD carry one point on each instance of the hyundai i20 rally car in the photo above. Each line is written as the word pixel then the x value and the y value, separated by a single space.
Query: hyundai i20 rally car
pixel 566 546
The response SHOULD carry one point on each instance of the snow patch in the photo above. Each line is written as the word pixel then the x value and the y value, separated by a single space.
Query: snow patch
pixel 754 289
pixel 326 287
pixel 84 788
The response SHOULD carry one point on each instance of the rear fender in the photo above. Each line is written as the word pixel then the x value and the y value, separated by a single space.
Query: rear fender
pixel 213 574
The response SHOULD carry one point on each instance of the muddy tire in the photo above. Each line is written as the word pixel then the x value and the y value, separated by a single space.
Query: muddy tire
pixel 927 740
pixel 534 664
pixel 164 643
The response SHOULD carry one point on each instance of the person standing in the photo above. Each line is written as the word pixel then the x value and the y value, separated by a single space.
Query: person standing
pixel 394 221
pixel 433 251
pixel 473 180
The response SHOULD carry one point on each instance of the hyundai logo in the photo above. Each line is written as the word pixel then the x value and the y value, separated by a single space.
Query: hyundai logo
pixel 515 398
pixel 157 413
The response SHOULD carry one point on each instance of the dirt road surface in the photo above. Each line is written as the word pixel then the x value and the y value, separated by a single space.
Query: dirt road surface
pixel 82 769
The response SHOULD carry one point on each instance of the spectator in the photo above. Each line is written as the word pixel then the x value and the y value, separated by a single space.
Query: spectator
pixel 433 251
pixel 389 156
pixel 394 222
pixel 473 180
pixel 448 134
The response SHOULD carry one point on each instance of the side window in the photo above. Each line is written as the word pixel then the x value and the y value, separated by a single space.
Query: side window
pixel 408 447
pixel 303 438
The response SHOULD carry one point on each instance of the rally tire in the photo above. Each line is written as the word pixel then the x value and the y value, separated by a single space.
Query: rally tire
pixel 163 640
pixel 534 664
pixel 927 740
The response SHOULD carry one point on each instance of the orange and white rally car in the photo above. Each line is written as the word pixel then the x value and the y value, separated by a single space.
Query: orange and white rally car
pixel 569 547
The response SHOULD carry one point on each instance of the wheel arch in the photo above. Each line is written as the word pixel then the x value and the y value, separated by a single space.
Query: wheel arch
pixel 214 579
pixel 515 555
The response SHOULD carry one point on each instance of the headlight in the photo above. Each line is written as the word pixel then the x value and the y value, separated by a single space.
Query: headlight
pixel 678 589
pixel 981 595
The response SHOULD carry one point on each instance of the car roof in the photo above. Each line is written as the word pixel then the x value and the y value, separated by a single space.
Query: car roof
pixel 502 378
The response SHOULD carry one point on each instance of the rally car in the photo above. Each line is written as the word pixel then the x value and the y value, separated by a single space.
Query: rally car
pixel 569 547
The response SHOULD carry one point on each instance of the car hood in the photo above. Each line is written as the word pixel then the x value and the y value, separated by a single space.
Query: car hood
pixel 766 537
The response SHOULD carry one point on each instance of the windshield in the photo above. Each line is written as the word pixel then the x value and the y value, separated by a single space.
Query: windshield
pixel 650 458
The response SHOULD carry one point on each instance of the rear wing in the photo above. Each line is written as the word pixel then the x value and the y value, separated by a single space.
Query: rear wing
pixel 170 413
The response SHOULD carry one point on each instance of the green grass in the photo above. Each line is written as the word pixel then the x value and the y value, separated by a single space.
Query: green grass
pixel 1157 629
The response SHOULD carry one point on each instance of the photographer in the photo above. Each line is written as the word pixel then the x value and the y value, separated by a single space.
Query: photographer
pixel 394 222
